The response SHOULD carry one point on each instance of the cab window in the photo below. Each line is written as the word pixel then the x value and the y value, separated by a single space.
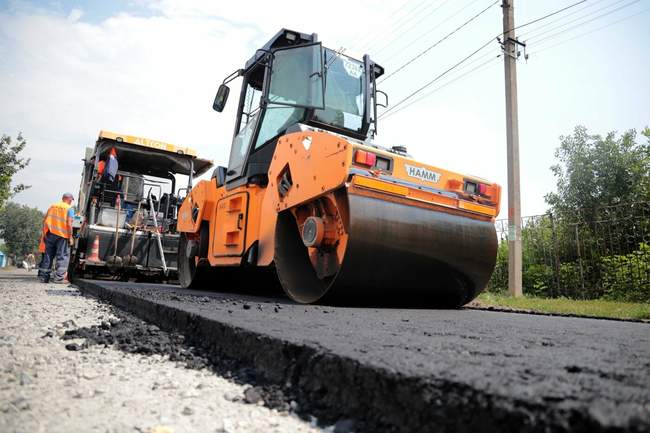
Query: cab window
pixel 247 124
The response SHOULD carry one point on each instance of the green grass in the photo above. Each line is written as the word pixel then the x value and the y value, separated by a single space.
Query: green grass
pixel 595 308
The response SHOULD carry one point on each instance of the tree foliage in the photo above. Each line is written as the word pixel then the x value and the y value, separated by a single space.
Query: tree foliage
pixel 594 172
pixel 594 241
pixel 625 277
pixel 20 227
pixel 10 164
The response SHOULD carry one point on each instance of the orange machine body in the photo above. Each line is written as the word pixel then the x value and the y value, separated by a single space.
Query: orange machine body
pixel 308 197
pixel 320 163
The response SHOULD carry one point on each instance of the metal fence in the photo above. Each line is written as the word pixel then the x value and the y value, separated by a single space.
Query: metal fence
pixel 589 254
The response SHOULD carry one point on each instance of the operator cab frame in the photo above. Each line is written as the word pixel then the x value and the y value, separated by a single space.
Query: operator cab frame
pixel 292 80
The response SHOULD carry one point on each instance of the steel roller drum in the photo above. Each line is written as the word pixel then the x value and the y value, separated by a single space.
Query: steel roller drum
pixel 396 255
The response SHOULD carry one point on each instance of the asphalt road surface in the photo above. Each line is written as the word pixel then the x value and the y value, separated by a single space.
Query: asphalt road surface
pixel 418 369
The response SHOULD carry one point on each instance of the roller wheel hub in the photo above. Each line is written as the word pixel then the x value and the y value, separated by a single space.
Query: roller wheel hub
pixel 313 231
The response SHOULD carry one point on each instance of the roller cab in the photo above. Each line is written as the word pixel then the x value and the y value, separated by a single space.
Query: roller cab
pixel 309 199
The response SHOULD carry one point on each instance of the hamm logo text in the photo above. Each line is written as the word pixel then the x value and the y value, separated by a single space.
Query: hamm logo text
pixel 422 173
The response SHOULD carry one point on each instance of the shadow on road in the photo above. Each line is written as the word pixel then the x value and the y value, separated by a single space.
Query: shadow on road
pixel 18 274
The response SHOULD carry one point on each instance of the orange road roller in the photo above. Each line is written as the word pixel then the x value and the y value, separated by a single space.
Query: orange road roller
pixel 309 200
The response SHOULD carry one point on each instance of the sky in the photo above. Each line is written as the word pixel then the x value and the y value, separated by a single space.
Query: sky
pixel 151 68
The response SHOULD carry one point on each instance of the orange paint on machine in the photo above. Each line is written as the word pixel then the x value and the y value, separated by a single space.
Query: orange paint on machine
pixel 311 203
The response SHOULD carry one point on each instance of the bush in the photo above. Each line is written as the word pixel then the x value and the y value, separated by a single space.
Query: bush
pixel 616 277
pixel 571 281
pixel 20 227
pixel 537 280
pixel 627 277
pixel 499 281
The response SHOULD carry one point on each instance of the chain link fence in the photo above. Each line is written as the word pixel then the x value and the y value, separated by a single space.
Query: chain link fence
pixel 591 254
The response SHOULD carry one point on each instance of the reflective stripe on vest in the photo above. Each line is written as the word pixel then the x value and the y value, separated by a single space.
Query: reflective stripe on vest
pixel 56 219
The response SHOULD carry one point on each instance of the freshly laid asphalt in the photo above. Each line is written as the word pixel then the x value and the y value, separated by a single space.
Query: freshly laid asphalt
pixel 418 370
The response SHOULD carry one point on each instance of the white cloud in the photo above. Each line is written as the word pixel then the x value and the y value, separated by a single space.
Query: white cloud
pixel 145 76
pixel 75 14
pixel 66 74
pixel 64 79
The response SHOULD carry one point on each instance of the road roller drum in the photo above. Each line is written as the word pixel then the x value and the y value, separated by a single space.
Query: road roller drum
pixel 394 253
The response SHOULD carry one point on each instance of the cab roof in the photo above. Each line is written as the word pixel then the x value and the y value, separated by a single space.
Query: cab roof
pixel 283 38
pixel 287 38
pixel 147 156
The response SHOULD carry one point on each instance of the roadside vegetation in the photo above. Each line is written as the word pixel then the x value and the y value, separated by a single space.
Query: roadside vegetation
pixel 20 225
pixel 10 164
pixel 592 307
pixel 591 250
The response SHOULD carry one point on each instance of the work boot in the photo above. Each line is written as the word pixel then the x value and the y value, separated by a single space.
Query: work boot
pixel 43 280
pixel 60 282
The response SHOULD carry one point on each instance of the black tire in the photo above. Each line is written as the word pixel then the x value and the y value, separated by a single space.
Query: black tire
pixel 191 276
pixel 72 268
pixel 73 263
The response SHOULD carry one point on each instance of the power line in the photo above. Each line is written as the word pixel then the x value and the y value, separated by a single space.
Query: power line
pixel 546 16
pixel 436 78
pixel 534 35
pixel 591 31
pixel 469 4
pixel 364 37
pixel 401 49
pixel 413 26
pixel 590 4
pixel 588 21
pixel 456 65
pixel 434 27
pixel 442 86
pixel 367 39
pixel 439 41
pixel 413 14
pixel 419 8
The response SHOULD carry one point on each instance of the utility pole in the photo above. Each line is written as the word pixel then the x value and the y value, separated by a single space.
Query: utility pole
pixel 510 51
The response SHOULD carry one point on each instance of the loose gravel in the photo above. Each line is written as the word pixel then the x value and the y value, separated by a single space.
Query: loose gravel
pixel 69 363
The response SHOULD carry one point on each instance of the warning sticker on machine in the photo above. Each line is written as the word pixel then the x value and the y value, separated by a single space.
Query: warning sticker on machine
pixel 422 173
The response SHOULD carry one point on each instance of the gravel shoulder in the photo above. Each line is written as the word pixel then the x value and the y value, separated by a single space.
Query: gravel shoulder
pixel 93 387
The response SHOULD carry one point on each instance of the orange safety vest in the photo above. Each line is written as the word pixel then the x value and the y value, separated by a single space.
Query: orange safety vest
pixel 56 222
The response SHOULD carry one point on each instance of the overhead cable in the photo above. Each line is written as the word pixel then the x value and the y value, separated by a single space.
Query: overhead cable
pixel 564 30
pixel 448 35
pixel 453 80
pixel 436 78
pixel 592 31
pixel 473 53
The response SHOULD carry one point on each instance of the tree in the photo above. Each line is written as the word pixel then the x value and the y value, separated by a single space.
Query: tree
pixel 595 172
pixel 10 164
pixel 20 227
pixel 594 242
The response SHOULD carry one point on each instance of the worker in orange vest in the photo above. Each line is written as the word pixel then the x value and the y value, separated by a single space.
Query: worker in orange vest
pixel 56 240
pixel 107 174
pixel 100 169
pixel 107 170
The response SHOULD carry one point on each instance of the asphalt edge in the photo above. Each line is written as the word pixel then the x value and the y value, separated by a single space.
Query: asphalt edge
pixel 334 387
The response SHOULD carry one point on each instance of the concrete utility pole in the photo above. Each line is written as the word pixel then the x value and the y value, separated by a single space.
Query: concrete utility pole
pixel 510 50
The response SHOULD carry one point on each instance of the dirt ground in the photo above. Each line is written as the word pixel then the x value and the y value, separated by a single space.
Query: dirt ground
pixel 51 381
